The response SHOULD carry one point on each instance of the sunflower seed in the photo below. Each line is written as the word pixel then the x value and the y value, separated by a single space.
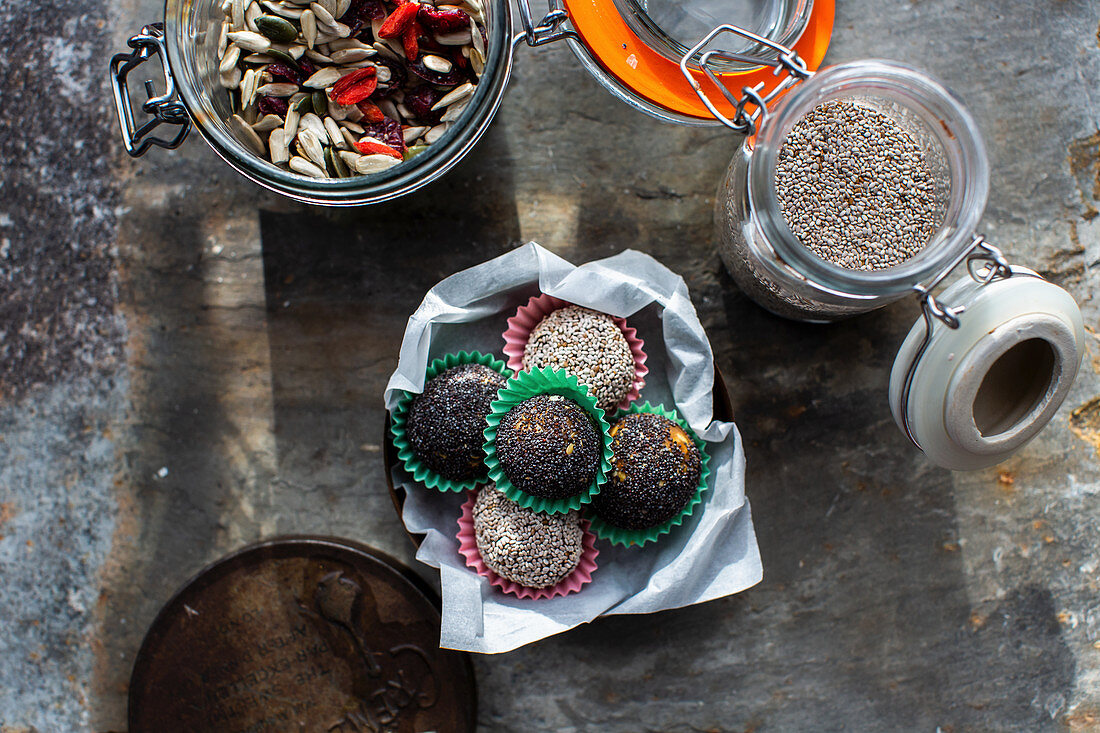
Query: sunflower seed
pixel 349 125
pixel 229 60
pixel 437 63
pixel 231 79
pixel 250 41
pixel 349 138
pixel 290 126
pixel 251 14
pixel 282 11
pixel 267 123
pixel 458 38
pixel 296 50
pixel 246 134
pixel 341 8
pixel 455 95
pixel 477 62
pixel 350 158
pixel 258 58
pixel 372 140
pixel 375 163
pixel 277 90
pixel 237 8
pixel 323 78
pixel 332 131
pixel 475 34
pixel 453 112
pixel 388 108
pixel 311 146
pixel 348 55
pixel 324 17
pixel 354 113
pixel 337 111
pixel 277 142
pixel 223 38
pixel 309 27
pixel 249 83
pixel 411 133
pixel 303 166
pixel 315 55
pixel 386 51
pixel 343 44
pixel 312 122
pixel 435 133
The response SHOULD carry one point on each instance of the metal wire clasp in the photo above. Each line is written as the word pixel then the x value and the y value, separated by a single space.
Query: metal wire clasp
pixel 546 30
pixel 743 122
pixel 985 264
pixel 165 108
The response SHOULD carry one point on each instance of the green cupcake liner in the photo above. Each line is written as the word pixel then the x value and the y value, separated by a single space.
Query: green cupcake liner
pixel 400 418
pixel 638 537
pixel 520 387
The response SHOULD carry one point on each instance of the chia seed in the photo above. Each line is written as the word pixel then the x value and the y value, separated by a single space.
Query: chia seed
pixel 587 344
pixel 530 548
pixel 446 422
pixel 855 188
pixel 548 447
pixel 655 469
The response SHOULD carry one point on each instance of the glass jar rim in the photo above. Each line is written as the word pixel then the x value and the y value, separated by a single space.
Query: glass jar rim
pixel 358 190
pixel 953 119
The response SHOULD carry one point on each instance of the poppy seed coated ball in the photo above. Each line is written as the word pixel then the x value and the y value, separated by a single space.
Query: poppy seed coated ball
pixel 548 447
pixel 655 470
pixel 530 548
pixel 446 422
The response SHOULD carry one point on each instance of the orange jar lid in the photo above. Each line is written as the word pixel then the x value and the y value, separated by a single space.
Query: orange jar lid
pixel 658 79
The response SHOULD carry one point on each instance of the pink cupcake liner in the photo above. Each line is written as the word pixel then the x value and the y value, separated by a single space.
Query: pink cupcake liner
pixel 538 307
pixel 467 546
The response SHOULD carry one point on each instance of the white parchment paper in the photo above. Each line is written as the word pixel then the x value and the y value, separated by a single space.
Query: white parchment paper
pixel 713 554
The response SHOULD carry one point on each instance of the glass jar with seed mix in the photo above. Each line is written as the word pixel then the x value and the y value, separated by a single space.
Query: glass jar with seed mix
pixel 866 181
pixel 239 70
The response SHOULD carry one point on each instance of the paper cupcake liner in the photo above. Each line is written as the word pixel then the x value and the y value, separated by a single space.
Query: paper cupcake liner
pixel 400 417
pixel 572 583
pixel 638 537
pixel 538 307
pixel 529 384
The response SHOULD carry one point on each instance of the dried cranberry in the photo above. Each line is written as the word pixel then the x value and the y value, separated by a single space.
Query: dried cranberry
pixel 451 78
pixel 282 72
pixel 307 68
pixel 387 131
pixel 272 106
pixel 366 10
pixel 420 101
pixel 397 71
pixel 444 21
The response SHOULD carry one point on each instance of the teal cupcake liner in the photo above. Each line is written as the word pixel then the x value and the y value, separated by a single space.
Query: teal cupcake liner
pixel 520 387
pixel 638 537
pixel 400 417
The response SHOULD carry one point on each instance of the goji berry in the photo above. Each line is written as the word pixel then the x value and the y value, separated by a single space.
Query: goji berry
pixel 371 112
pixel 409 40
pixel 398 20
pixel 356 86
pixel 366 147
pixel 346 81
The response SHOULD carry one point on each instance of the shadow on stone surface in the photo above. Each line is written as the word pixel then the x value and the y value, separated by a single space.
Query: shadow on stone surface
pixel 340 286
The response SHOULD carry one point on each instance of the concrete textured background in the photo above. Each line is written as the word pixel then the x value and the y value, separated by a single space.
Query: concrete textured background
pixel 189 364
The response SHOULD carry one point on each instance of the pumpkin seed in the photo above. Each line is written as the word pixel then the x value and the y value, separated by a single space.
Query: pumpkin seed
pixel 276 28
pixel 320 101
pixel 284 57
pixel 415 150
pixel 336 165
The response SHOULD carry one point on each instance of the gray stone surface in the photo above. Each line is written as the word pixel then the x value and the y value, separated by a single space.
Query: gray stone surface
pixel 190 363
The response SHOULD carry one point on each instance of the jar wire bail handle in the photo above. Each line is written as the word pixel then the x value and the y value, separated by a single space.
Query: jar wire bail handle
pixel 164 109
pixel 787 60
pixel 546 30
pixel 985 263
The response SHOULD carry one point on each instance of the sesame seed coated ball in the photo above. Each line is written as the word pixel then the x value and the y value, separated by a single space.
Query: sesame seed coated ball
pixel 587 344
pixel 655 469
pixel 530 548
pixel 446 422
pixel 548 447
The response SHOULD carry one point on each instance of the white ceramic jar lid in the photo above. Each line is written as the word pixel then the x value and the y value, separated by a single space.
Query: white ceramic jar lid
pixel 980 392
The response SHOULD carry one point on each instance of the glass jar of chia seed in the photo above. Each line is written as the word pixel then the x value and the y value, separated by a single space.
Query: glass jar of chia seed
pixel 866 181
pixel 631 47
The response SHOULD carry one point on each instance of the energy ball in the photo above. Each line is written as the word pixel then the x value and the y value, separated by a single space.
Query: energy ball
pixel 530 548
pixel 548 447
pixel 587 344
pixel 655 468
pixel 446 422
